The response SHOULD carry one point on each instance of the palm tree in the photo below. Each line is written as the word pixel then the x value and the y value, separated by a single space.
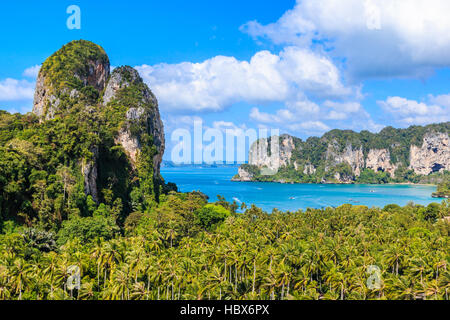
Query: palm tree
pixel 336 281
pixel 394 256
pixel 400 288
pixel 444 283
pixel 21 275
pixel 433 290
pixel 302 279
pixel 52 262
pixel 87 291
pixel 4 284
pixel 98 254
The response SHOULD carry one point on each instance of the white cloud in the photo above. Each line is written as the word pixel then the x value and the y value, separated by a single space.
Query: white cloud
pixel 229 127
pixel 310 126
pixel 442 100
pixel 32 72
pixel 219 82
pixel 281 116
pixel 377 38
pixel 315 119
pixel 303 106
pixel 12 90
pixel 349 107
pixel 173 122
pixel 19 90
pixel 330 110
pixel 343 110
pixel 408 112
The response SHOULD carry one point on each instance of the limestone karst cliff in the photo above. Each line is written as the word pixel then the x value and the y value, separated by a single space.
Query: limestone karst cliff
pixel 347 156
pixel 141 117
pixel 263 153
pixel 433 155
pixel 118 109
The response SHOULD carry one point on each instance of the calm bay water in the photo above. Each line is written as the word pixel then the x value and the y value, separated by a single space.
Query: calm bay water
pixel 216 181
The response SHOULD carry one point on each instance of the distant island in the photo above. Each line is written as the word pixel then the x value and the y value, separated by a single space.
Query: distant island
pixel 418 154
pixel 171 164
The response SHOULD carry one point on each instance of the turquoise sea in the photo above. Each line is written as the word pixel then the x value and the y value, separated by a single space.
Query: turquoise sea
pixel 217 181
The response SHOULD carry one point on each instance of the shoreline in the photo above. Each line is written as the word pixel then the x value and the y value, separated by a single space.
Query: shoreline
pixel 343 183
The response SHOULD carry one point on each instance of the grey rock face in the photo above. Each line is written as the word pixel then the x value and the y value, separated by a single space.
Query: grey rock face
pixel 279 155
pixel 309 169
pixel 98 75
pixel 354 157
pixel 432 156
pixel 380 160
pixel 244 175
pixel 269 156
pixel 46 97
pixel 40 96
pixel 90 174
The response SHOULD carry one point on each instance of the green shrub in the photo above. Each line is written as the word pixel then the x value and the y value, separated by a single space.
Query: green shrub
pixel 211 215
pixel 39 239
pixel 88 228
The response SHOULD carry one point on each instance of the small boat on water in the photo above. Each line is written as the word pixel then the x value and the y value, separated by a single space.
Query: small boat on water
pixel 237 200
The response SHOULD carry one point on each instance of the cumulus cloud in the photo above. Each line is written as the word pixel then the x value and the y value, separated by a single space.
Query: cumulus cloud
pixel 377 38
pixel 408 112
pixel 19 89
pixel 310 126
pixel 281 116
pixel 442 100
pixel 12 90
pixel 307 127
pixel 219 82
pixel 229 127
pixel 309 117
pixel 173 122
pixel 32 72
pixel 343 110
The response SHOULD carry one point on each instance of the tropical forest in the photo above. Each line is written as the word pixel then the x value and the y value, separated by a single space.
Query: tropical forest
pixel 81 193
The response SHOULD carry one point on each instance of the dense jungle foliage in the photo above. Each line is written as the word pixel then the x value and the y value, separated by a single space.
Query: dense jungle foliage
pixel 186 249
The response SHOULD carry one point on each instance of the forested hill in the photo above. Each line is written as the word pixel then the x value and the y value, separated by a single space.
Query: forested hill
pixel 344 156
pixel 94 141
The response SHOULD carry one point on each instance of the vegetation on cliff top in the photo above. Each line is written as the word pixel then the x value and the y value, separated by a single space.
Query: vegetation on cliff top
pixel 65 67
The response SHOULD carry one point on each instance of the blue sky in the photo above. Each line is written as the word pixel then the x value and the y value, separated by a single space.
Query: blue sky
pixel 301 67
